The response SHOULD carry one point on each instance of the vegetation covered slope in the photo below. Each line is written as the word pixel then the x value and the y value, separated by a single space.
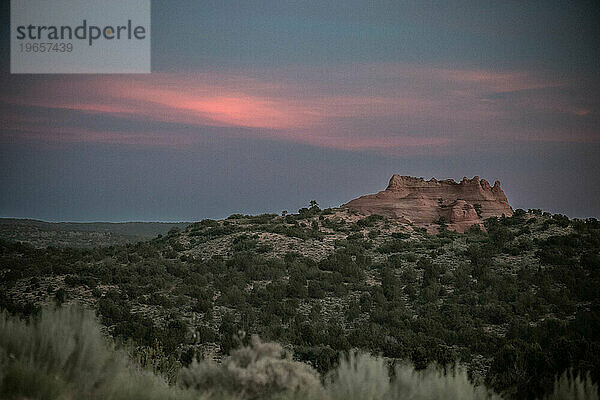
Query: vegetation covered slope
pixel 81 234
pixel 62 354
pixel 516 305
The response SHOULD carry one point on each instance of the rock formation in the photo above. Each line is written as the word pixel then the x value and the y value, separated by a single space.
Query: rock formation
pixel 423 203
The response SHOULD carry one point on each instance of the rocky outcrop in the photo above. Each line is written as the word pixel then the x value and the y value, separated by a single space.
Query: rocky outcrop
pixel 423 203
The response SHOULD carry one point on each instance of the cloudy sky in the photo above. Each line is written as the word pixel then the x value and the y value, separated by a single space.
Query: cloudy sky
pixel 266 106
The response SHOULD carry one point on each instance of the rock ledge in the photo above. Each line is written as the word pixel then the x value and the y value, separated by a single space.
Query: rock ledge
pixel 422 203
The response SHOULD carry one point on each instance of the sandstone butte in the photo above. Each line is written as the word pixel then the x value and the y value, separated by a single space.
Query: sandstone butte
pixel 422 203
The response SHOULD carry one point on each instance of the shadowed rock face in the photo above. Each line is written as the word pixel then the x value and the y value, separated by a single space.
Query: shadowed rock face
pixel 421 202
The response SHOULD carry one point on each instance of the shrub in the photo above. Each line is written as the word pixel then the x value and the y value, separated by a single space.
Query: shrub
pixel 60 296
pixel 315 289
pixel 434 384
pixel 568 386
pixel 63 355
pixel 369 221
pixel 256 371
pixel 361 376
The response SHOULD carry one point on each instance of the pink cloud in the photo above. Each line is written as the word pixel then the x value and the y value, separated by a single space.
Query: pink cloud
pixel 406 101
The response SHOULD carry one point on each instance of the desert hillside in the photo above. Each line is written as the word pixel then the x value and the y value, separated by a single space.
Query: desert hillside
pixel 504 303
pixel 81 234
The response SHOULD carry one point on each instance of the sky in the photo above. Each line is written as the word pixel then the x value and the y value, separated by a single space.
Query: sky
pixel 264 106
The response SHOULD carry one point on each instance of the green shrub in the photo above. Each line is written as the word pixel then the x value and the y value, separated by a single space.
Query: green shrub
pixel 369 221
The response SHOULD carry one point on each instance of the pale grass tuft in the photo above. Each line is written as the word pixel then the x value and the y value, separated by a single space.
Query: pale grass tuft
pixel 574 387
pixel 256 371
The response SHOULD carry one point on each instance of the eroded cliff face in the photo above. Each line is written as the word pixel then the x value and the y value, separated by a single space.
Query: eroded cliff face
pixel 422 203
